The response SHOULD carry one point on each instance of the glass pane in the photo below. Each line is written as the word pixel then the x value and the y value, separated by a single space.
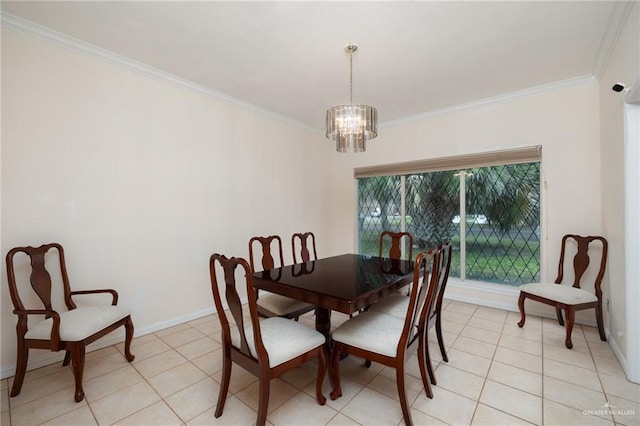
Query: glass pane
pixel 432 201
pixel 378 210
pixel 503 217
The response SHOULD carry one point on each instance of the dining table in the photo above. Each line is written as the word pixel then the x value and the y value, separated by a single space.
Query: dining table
pixel 345 283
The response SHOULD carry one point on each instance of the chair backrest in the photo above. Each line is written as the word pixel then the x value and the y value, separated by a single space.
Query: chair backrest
pixel 581 259
pixel 425 275
pixel 302 240
pixel 444 266
pixel 250 339
pixel 438 281
pixel 39 277
pixel 395 252
pixel 267 260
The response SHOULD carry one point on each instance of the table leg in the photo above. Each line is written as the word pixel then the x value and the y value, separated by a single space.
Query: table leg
pixel 323 325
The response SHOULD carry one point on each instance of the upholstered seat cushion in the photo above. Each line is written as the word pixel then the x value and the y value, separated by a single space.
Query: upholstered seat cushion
pixel 372 331
pixel 280 305
pixel 559 293
pixel 78 324
pixel 283 339
pixel 395 305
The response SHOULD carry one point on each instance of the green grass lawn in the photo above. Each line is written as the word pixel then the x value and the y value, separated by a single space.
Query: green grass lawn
pixel 489 259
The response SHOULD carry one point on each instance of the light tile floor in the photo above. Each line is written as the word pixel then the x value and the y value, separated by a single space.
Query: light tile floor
pixel 497 374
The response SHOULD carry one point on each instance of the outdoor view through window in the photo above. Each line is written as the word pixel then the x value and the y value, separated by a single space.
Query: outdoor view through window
pixel 498 240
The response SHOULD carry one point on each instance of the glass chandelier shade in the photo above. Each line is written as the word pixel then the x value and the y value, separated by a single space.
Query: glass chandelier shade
pixel 350 126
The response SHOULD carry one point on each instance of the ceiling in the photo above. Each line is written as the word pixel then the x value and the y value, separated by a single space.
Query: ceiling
pixel 288 57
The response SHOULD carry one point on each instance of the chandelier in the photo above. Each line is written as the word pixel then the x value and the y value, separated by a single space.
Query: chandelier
pixel 351 125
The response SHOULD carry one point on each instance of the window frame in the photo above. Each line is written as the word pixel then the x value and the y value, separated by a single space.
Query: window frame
pixel 529 154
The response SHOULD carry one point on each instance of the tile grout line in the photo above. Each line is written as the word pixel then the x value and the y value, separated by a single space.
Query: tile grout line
pixel 576 366
pixel 606 397
pixel 151 386
pixel 451 347
pixel 486 378
pixel 456 338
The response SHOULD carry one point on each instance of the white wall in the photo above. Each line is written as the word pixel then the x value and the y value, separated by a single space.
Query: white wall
pixel 564 120
pixel 623 66
pixel 141 180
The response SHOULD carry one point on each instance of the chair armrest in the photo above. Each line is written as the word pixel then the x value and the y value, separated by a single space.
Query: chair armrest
pixel 48 312
pixel 108 290
pixel 55 328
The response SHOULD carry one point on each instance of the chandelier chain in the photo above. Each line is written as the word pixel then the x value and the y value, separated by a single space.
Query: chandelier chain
pixel 350 126
pixel 350 77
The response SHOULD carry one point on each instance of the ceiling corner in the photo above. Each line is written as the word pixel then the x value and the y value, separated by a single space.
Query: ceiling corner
pixel 617 20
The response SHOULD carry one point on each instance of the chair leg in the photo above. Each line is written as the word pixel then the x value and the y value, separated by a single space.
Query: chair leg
pixel 77 365
pixel 322 369
pixel 263 401
pixel 559 315
pixel 570 318
pixel 367 363
pixel 402 394
pixel 521 308
pixel 422 363
pixel 443 351
pixel 335 366
pixel 128 327
pixel 67 358
pixel 21 367
pixel 429 365
pixel 600 322
pixel 224 382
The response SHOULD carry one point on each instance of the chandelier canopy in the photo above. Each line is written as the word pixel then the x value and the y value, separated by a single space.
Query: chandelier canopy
pixel 351 125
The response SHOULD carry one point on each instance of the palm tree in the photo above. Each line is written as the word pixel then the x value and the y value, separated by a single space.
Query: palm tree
pixel 432 201
pixel 507 195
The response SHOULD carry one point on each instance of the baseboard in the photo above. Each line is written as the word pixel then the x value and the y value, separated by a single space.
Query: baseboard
pixel 621 358
pixel 503 297
pixel 48 358
pixel 453 292
pixel 475 293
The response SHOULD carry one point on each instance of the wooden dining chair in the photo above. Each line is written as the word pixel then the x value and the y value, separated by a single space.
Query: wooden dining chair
pixel 396 304
pixel 387 339
pixel 266 348
pixel 443 272
pixel 395 250
pixel 300 244
pixel 571 298
pixel 70 329
pixel 270 304
pixel 433 311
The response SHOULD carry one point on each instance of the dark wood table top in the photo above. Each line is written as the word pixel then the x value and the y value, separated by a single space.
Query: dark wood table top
pixel 344 283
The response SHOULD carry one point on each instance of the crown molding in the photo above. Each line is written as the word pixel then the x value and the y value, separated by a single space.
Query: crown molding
pixel 60 39
pixel 29 28
pixel 544 88
pixel 617 21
